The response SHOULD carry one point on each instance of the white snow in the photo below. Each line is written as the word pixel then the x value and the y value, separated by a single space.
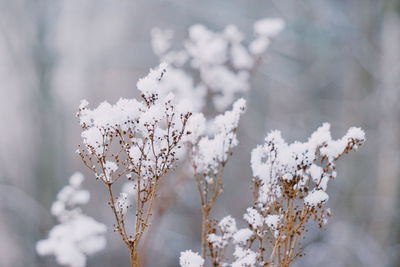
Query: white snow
pixel 77 235
pixel 254 218
pixel 242 236
pixel 190 259
pixel 315 198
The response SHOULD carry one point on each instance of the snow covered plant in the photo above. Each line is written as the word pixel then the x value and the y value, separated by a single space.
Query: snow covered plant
pixel 209 156
pixel 289 190
pixel 222 62
pixel 210 71
pixel 77 235
pixel 133 140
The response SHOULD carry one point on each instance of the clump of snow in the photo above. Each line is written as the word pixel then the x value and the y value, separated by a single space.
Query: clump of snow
pixel 228 229
pixel 315 198
pixel 149 85
pixel 265 29
pixel 216 241
pixel 244 257
pixel 197 127
pixel 242 236
pixel 315 172
pixel 269 27
pixel 253 218
pixel 228 226
pixel 94 139
pixel 190 259
pixel 272 221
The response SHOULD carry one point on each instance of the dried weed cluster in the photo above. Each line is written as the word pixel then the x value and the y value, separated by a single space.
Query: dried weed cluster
pixel 140 142
pixel 136 140
pixel 289 190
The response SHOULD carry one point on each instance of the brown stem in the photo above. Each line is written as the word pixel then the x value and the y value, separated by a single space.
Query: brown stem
pixel 204 230
pixel 134 257
pixel 120 225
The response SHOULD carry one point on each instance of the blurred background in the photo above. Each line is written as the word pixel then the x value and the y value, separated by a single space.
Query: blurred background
pixel 336 61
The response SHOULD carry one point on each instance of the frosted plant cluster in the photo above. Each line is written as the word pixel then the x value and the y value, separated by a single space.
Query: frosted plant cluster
pixel 222 61
pixel 211 153
pixel 77 235
pixel 137 141
pixel 290 188
pixel 209 72
pixel 147 133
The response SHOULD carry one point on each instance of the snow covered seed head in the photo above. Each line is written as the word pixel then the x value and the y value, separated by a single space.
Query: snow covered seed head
pixel 290 185
pixel 133 137
pixel 296 170
pixel 211 153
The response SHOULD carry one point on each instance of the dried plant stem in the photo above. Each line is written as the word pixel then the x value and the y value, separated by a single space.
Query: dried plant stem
pixel 204 230
pixel 206 206
pixel 142 222
pixel 134 257
pixel 133 146
pixel 120 228
pixel 164 201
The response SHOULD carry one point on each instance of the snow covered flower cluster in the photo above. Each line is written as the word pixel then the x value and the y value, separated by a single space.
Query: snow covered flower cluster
pixel 211 153
pixel 290 188
pixel 222 61
pixel 209 156
pixel 147 133
pixel 299 170
pixel 216 66
pixel 77 235
pixel 138 141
